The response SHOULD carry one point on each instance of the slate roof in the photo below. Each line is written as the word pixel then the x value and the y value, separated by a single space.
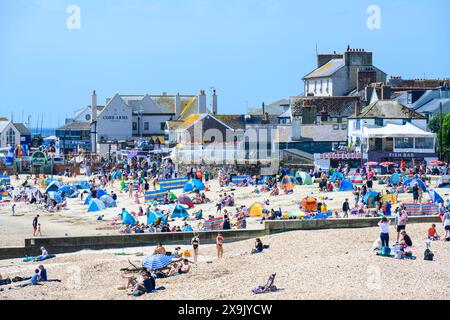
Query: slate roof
pixel 387 109
pixel 326 70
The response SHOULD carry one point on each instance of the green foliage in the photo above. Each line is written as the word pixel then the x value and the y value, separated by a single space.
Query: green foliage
pixel 443 133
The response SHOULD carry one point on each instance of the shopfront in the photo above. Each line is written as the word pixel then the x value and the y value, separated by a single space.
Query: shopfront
pixel 337 159
pixel 410 158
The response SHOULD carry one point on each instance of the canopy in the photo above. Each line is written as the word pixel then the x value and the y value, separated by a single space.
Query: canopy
pixel 346 185
pixel 412 182
pixel 395 178
pixel 369 198
pixel 179 212
pixel 256 210
pixel 337 176
pixel 96 205
pixel 108 201
pixel 194 184
pixel 156 262
pixel 153 216
pixel 53 186
pixel 55 196
pixel 435 197
pixel 127 218
pixel 396 130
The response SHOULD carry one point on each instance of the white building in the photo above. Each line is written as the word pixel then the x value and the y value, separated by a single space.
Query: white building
pixel 9 134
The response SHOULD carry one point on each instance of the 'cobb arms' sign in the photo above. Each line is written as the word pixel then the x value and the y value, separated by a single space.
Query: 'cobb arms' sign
pixel 115 118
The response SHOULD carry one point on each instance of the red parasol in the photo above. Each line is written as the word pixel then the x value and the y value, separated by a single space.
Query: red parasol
pixel 435 163
pixel 371 163
pixel 386 164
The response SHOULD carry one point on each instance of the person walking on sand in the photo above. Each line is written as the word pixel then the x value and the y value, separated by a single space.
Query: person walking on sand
pixel 219 245
pixel 346 208
pixel 195 244
pixel 401 219
pixel 384 231
pixel 13 209
pixel 38 230
pixel 35 224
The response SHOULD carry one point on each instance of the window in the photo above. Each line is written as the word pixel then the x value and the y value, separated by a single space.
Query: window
pixel 405 121
pixel 404 143
pixel 424 143
pixel 321 85
pixel 358 125
pixel 379 122
pixel 134 126
pixel 163 126
pixel 315 85
pixel 146 126
pixel 307 86
pixel 11 137
pixel 343 127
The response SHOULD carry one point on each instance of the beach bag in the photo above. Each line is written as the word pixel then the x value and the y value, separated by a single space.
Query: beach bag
pixel 385 251
pixel 428 255
pixel 186 253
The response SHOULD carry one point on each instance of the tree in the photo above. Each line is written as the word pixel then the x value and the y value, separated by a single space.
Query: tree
pixel 440 124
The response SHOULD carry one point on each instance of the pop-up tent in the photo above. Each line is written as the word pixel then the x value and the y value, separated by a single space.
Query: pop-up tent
pixel 53 186
pixel 395 178
pixel 435 197
pixel 346 185
pixel 337 176
pixel 153 216
pixel 356 178
pixel 100 193
pixel 309 204
pixel 287 183
pixel 369 198
pixel 193 185
pixel 256 210
pixel 96 205
pixel 127 218
pixel 412 182
pixel 55 196
pixel 184 199
pixel 108 201
pixel 179 212
pixel 306 179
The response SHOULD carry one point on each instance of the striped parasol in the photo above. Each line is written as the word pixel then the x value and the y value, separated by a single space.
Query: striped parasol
pixel 156 262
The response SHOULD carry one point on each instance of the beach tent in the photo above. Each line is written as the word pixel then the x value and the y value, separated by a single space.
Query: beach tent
pixel 309 204
pixel 337 176
pixel 172 196
pixel 369 198
pixel 194 184
pixel 306 179
pixel 395 178
pixel 184 199
pixel 256 210
pixel 356 178
pixel 108 201
pixel 412 182
pixel 127 218
pixel 179 212
pixel 100 193
pixel 153 216
pixel 96 205
pixel 187 228
pixel 53 186
pixel 435 197
pixel 117 175
pixel 55 196
pixel 346 185
pixel 83 184
pixel 287 183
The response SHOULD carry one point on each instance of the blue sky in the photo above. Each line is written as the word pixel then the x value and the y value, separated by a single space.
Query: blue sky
pixel 250 50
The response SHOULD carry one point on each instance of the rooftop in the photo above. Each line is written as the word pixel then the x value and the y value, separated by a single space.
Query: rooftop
pixel 327 69
pixel 387 109
pixel 76 126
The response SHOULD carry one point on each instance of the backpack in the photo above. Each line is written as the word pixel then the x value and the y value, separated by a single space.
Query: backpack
pixel 385 251
pixel 428 255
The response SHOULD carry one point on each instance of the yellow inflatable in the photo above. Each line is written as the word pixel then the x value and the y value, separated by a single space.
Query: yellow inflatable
pixel 256 210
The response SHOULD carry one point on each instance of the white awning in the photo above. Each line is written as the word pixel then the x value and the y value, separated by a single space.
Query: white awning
pixel 397 130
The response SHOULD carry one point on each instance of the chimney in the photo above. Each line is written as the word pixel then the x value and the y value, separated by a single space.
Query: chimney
pixel 385 92
pixel 214 102
pixel 357 107
pixel 94 107
pixel 177 106
pixel 202 102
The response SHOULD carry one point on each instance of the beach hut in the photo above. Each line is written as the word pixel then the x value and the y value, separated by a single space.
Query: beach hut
pixel 309 204
pixel 356 179
pixel 435 197
pixel 256 210
pixel 412 182
pixel 193 185
pixel 179 212
pixel 153 216
pixel 96 205
pixel 184 199
pixel 306 179
pixel 346 185
pixel 108 201
pixel 337 176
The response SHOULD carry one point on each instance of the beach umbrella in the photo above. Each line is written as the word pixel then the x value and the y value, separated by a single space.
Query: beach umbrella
pixel 371 163
pixel 156 262
pixel 386 164
pixel 435 163
pixel 55 196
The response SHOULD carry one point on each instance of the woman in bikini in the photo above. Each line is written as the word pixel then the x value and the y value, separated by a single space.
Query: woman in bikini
pixel 195 244
pixel 219 245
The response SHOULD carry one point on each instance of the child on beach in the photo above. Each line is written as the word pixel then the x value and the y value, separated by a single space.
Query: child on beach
pixel 432 233
pixel 219 245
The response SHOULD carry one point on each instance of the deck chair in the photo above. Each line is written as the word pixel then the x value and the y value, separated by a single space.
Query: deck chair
pixel 269 287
